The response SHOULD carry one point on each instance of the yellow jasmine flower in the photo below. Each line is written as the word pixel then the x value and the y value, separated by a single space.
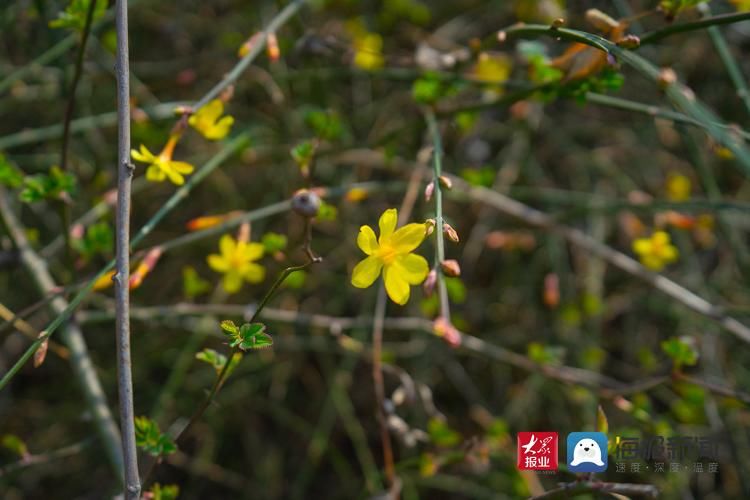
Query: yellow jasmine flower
pixel 391 253
pixel 741 5
pixel 492 68
pixel 656 251
pixel 678 187
pixel 236 261
pixel 162 166
pixel 207 121
pixel 368 51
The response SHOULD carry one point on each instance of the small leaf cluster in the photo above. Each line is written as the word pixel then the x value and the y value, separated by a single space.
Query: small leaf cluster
pixel 248 336
pixel 47 186
pixel 218 360
pixel 74 16
pixel 150 439
pixel 98 240
pixel 10 176
pixel 681 350
pixel 166 492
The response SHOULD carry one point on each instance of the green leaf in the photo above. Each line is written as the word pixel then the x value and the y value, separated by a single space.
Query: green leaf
pixel 99 240
pixel 441 434
pixel 681 350
pixel 10 176
pixel 326 125
pixel 15 444
pixel 327 212
pixel 545 355
pixel 49 186
pixel 74 16
pixel 274 242
pixel 673 7
pixel 192 284
pixel 150 439
pixel 427 90
pixel 166 492
pixel 302 154
pixel 228 326
pixel 248 336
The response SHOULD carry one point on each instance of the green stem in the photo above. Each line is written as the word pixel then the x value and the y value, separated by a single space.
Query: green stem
pixel 674 29
pixel 437 164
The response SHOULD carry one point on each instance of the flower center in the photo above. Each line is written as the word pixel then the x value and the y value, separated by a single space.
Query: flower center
pixel 387 253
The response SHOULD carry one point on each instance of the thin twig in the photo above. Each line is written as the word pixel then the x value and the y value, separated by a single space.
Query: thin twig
pixel 22 326
pixel 45 458
pixel 122 259
pixel 72 337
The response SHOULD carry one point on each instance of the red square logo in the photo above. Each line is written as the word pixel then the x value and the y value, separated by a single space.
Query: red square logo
pixel 537 451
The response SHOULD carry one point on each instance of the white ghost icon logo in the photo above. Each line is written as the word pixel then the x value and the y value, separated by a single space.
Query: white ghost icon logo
pixel 587 450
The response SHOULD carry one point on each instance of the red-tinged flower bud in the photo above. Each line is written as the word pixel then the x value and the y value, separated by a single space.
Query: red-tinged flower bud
pixel 450 232
pixel 451 268
pixel 306 203
pixel 445 330
pixel 248 45
pixel 430 226
pixel 429 283
pixel 77 231
pixel 272 47
pixel 445 182
pixel 243 233
pixel 146 266
pixel 428 190
pixel 41 352
pixel 551 295
pixel 207 221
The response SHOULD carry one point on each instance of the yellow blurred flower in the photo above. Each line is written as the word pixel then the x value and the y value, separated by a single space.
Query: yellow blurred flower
pixel 678 187
pixel 492 68
pixel 656 251
pixel 391 253
pixel 355 195
pixel 162 166
pixel 209 122
pixel 237 262
pixel 368 49
pixel 104 281
pixel 741 5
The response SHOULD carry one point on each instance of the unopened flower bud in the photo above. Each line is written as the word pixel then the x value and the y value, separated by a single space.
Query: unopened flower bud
pixel 306 203
pixel 629 42
pixel 430 226
pixel 451 268
pixel 272 47
pixel 428 190
pixel 429 283
pixel 667 77
pixel 551 291
pixel 41 352
pixel 445 329
pixel 558 23
pixel 450 232
pixel 445 182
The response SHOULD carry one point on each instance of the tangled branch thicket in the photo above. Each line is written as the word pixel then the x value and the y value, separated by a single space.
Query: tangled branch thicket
pixel 371 243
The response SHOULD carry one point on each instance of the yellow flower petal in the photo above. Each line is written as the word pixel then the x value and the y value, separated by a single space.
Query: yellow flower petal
pixel 211 111
pixel 254 273
pixel 252 251
pixel 144 156
pixel 366 240
pixel 232 282
pixel 387 223
pixel 669 254
pixel 175 176
pixel 227 246
pixel 642 246
pixel 413 268
pixel 409 237
pixel 652 262
pixel 217 263
pixel 155 174
pixel 366 272
pixel 182 167
pixel 396 285
pixel 220 129
pixel 660 238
